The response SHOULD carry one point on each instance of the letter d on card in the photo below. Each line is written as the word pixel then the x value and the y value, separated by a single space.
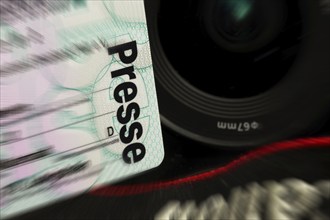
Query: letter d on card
pixel 78 100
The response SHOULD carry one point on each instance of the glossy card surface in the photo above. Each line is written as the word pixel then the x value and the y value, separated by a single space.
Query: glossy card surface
pixel 78 99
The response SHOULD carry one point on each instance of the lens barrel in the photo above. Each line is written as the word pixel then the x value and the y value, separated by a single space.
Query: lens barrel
pixel 241 73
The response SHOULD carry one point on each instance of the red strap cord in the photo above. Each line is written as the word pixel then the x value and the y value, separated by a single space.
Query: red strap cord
pixel 126 190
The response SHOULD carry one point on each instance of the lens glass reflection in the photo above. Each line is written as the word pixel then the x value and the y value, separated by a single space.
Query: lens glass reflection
pixel 231 48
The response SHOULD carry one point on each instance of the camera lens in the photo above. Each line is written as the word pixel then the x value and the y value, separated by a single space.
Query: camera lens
pixel 243 47
pixel 233 73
